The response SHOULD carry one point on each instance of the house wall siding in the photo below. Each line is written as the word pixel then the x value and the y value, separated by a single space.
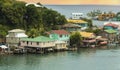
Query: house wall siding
pixel 35 44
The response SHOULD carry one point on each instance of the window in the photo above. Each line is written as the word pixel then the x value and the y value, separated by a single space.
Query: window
pixel 23 41
pixel 60 35
pixel 27 42
pixel 37 43
pixel 11 38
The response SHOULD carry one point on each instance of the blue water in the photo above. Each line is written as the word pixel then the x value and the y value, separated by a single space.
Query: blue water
pixel 68 9
pixel 84 59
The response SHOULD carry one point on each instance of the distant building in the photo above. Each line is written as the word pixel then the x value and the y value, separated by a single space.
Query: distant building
pixel 35 4
pixel 72 27
pixel 112 25
pixel 79 22
pixel 14 36
pixel 77 15
pixel 106 16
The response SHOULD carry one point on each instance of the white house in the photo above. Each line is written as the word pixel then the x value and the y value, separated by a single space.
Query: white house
pixel 14 36
pixel 77 15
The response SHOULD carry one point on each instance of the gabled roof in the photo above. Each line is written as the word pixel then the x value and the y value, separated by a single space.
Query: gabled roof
pixel 110 31
pixel 87 34
pixel 60 32
pixel 112 25
pixel 70 25
pixel 38 39
pixel 77 21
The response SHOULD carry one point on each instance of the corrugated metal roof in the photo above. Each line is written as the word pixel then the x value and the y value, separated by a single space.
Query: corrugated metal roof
pixel 38 39
pixel 110 31
pixel 111 24
pixel 87 34
pixel 60 32
pixel 76 21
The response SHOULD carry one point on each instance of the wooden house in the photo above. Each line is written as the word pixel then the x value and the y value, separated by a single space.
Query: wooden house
pixel 14 36
pixel 40 43
pixel 72 27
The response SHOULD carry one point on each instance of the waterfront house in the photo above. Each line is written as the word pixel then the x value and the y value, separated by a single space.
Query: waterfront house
pixel 79 22
pixel 60 45
pixel 110 34
pixel 101 41
pixel 60 35
pixel 39 44
pixel 14 36
pixel 71 27
pixel 88 39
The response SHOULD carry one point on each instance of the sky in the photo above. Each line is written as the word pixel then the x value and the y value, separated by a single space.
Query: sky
pixel 67 2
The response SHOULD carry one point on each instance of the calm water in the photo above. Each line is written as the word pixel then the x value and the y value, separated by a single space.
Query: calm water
pixel 68 9
pixel 85 59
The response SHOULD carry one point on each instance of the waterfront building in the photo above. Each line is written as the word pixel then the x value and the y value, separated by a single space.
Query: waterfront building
pixel 60 35
pixel 40 43
pixel 72 27
pixel 111 35
pixel 60 45
pixel 88 39
pixel 14 36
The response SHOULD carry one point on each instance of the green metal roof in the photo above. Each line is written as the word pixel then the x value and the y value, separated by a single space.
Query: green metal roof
pixel 110 31
pixel 38 39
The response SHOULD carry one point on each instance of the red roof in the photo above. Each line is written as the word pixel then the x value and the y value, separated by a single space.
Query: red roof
pixel 60 32
pixel 111 24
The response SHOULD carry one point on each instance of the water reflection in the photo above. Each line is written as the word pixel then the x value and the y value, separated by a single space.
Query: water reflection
pixel 101 58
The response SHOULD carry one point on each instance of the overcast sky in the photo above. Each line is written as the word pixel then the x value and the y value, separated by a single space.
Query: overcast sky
pixel 101 2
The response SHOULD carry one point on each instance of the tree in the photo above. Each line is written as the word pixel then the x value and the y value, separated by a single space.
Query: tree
pixel 52 18
pixel 75 40
pixel 15 14
pixel 90 23
pixel 3 31
pixel 118 16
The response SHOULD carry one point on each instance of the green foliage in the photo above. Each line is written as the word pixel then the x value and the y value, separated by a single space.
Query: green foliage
pixel 94 13
pixel 14 14
pixel 90 23
pixel 75 39
pixel 118 16
pixel 96 30
pixel 52 18
pixel 3 31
